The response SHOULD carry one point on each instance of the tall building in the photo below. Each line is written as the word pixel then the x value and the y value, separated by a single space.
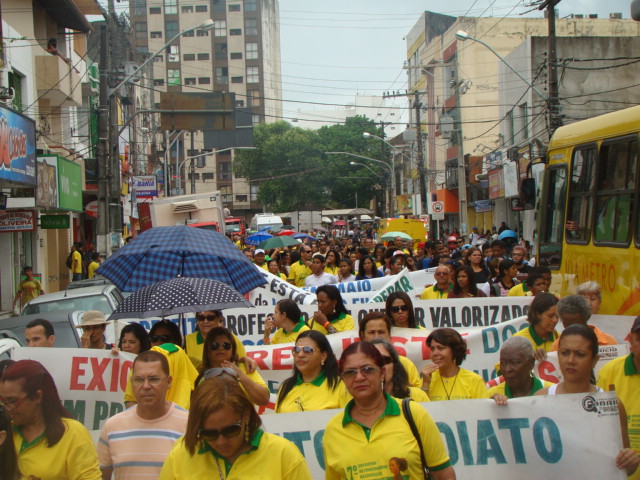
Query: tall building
pixel 239 54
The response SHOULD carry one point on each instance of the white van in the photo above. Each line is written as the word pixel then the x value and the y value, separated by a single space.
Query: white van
pixel 264 220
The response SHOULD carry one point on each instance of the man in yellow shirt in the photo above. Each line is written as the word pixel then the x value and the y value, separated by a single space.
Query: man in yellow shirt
pixel 76 261
pixel 299 271
pixel 259 259
pixel 442 287
pixel 93 266
pixel 28 289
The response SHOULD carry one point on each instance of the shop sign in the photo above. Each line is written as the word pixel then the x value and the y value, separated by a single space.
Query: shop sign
pixel 47 190
pixel 145 186
pixel 92 209
pixel 17 221
pixel 50 222
pixel 496 184
pixel 69 185
pixel 17 147
pixel 483 206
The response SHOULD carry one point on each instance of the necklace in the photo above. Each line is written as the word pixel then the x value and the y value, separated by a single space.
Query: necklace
pixel 219 470
pixel 452 386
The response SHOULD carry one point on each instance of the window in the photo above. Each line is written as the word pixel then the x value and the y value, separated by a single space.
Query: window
pixel 236 56
pixel 237 80
pixel 187 9
pixel 170 7
pixel 253 75
pixel 256 119
pixel 141 30
pixel 171 29
pixel 155 34
pixel 241 198
pixel 202 33
pixel 204 80
pixel 155 11
pixel 251 50
pixel 173 77
pixel 221 51
pixel 254 98
pixel 224 171
pixel 142 50
pixel 219 28
pixel 16 82
pixel 139 7
pixel 234 8
pixel 251 26
pixel 235 31
pixel 188 57
pixel 188 34
pixel 552 203
pixel 158 59
pixel 201 8
pixel 173 53
pixel 190 81
pixel 222 75
pixel 219 6
pixel 207 176
pixel 253 192
pixel 240 103
pixel 158 83
pixel 616 190
pixel 203 56
pixel 510 134
pixel 581 186
pixel 250 5
pixel 196 176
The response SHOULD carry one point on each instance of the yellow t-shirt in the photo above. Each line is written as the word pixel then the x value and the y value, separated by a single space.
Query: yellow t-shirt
pixel 280 336
pixel 503 388
pixel 518 291
pixel 343 323
pixel 91 271
pixel 76 257
pixel 74 457
pixel 314 395
pixel 418 395
pixel 536 340
pixel 332 270
pixel 434 293
pixel 298 272
pixel 270 457
pixel 622 373
pixel 29 289
pixel 465 385
pixel 412 371
pixel 352 451
pixel 254 376
pixel 194 346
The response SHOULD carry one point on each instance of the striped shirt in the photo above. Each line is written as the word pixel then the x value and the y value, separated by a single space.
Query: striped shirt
pixel 137 448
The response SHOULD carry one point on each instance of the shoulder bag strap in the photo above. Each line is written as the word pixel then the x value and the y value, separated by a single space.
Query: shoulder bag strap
pixel 406 410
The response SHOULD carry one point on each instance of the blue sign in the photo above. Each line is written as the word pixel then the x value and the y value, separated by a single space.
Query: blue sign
pixel 145 186
pixel 482 206
pixel 17 147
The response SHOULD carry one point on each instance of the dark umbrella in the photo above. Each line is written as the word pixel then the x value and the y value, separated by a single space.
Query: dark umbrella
pixel 163 253
pixel 279 242
pixel 179 295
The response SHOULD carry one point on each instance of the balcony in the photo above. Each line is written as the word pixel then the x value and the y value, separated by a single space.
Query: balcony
pixel 57 81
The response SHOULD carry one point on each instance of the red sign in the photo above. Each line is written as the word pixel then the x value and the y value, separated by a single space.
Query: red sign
pixel 144 214
pixel 17 221
pixel 92 209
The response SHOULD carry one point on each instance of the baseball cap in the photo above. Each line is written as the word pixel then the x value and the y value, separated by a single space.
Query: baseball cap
pixel 259 250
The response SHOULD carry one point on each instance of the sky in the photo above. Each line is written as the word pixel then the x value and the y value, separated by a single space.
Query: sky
pixel 335 49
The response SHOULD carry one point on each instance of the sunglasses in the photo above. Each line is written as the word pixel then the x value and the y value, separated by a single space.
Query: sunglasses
pixel 367 371
pixel 160 338
pixel 229 431
pixel 399 308
pixel 306 349
pixel 217 345
pixel 211 318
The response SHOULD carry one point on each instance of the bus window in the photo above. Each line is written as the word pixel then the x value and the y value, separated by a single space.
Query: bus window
pixel 552 205
pixel 581 187
pixel 615 195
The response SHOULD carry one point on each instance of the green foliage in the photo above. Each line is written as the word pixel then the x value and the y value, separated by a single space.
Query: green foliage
pixel 294 173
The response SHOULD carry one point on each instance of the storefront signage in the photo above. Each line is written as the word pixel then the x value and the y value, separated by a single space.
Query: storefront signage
pixel 70 185
pixel 17 221
pixel 496 184
pixel 49 222
pixel 92 209
pixel 145 186
pixel 47 191
pixel 17 147
pixel 483 206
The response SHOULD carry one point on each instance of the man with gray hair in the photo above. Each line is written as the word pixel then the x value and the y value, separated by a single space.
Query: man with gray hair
pixel 575 309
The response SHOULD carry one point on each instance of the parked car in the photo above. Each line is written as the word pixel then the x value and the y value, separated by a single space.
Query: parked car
pixel 89 282
pixel 100 297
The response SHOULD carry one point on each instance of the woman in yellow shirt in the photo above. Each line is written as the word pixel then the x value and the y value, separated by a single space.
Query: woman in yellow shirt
pixel 332 316
pixel 274 269
pixel 542 318
pixel 332 262
pixel 289 320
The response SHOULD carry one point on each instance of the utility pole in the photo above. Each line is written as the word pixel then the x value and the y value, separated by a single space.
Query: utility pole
pixel 193 168
pixel 103 144
pixel 555 119
pixel 417 105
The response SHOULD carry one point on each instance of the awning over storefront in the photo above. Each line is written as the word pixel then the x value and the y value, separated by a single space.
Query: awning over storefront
pixel 449 198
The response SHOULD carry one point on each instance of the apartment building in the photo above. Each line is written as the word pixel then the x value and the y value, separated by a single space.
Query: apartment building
pixel 239 54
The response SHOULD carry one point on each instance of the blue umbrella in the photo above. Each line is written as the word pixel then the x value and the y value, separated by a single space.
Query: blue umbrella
pixel 303 236
pixel 507 234
pixel 163 253
pixel 257 238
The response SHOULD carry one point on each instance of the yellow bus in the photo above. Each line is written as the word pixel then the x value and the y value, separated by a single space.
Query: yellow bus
pixel 589 209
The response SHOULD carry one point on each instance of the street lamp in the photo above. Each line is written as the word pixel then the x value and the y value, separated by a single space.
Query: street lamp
pixel 367 167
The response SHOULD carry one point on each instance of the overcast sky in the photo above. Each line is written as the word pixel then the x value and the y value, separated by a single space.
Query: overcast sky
pixel 334 49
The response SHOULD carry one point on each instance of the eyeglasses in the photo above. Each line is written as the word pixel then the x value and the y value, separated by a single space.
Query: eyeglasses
pixel 219 371
pixel 399 308
pixel 12 403
pixel 153 381
pixel 229 431
pixel 160 338
pixel 387 360
pixel 217 345
pixel 367 371
pixel 211 318
pixel 308 349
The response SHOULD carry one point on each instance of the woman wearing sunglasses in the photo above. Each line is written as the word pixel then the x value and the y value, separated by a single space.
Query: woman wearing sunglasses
pixel 224 440
pixel 399 309
pixel 194 342
pixel 396 380
pixel 315 383
pixel 220 352
pixel 372 430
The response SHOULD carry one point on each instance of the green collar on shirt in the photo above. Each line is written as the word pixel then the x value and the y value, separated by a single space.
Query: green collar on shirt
pixel 301 323
pixel 254 442
pixel 392 408
pixel 199 339
pixel 436 289
pixel 629 366
pixel 316 381
pixel 342 316
pixel 537 385
pixel 538 339
pixel 24 445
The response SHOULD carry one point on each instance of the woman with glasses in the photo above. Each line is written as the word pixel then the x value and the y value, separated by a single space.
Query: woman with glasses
pixel 221 355
pixel 315 383
pixel 165 331
pixel 396 380
pixel 288 318
pixel 224 440
pixel 332 316
pixel 50 444
pixel 444 379
pixel 373 430
pixel 399 308
pixel 194 342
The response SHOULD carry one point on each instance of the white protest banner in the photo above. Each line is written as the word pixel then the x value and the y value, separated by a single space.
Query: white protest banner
pixel 563 436
pixel 396 283
pixel 90 382
pixel 277 289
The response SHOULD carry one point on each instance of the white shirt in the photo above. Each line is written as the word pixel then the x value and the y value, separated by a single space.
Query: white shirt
pixel 350 278
pixel 325 278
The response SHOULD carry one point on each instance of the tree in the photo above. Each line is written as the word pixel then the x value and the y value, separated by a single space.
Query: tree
pixel 293 172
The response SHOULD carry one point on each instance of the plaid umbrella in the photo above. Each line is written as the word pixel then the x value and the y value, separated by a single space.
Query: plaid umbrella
pixel 162 253
pixel 179 295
